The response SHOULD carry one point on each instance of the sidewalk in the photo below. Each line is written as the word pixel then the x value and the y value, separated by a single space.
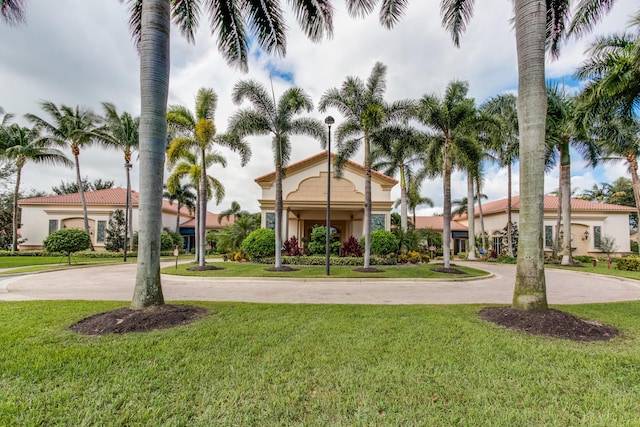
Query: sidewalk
pixel 116 282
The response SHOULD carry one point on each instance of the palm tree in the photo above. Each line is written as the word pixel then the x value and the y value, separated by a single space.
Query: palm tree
pixel 198 132
pixel 396 152
pixel 414 199
pixel 12 11
pixel 266 117
pixel 75 128
pixel 234 210
pixel 23 145
pixel 366 113
pixel 505 147
pixel 595 194
pixel 231 237
pixel 122 132
pixel 183 196
pixel 451 118
pixel 561 135
pixel 150 25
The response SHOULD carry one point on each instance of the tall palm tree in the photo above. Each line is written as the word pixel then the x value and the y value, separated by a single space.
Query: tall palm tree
pixel 235 210
pixel 23 145
pixel 183 196
pixel 597 193
pixel 414 198
pixel 197 134
pixel 12 11
pixel 450 118
pixel 366 113
pixel 76 128
pixel 506 145
pixel 122 132
pixel 150 25
pixel 561 135
pixel 266 117
pixel 398 152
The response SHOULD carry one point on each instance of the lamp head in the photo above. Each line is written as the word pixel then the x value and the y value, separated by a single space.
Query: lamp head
pixel 329 120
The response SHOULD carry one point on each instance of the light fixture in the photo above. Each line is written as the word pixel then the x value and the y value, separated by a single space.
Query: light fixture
pixel 586 235
pixel 328 121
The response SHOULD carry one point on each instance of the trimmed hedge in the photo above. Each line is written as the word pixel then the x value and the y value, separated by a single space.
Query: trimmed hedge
pixel 630 263
pixel 260 243
pixel 382 242
pixel 320 260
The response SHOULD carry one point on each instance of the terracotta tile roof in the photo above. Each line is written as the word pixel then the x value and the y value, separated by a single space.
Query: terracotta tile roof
pixel 550 203
pixel 112 196
pixel 212 221
pixel 437 223
pixel 323 155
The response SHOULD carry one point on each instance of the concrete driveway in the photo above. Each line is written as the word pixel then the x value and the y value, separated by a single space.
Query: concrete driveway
pixel 116 282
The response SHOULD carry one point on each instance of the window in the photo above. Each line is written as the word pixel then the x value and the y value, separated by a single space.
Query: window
pixel 101 227
pixel 53 225
pixel 597 236
pixel 548 236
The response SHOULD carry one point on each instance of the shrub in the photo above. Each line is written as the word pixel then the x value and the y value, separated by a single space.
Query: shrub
pixel 166 242
pixel 320 260
pixel 383 242
pixel 414 257
pixel 462 255
pixel 628 263
pixel 291 247
pixel 586 259
pixel 67 241
pixel 318 241
pixel 506 259
pixel 351 247
pixel 260 243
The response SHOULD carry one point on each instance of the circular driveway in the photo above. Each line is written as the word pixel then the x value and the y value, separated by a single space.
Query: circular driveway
pixel 116 282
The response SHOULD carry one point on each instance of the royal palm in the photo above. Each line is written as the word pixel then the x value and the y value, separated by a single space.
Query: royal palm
pixel 266 117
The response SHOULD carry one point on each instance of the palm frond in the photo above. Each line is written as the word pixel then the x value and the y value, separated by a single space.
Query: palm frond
pixel 185 15
pixel 267 24
pixel 391 11
pixel 315 17
pixel 226 21
pixel 456 14
pixel 588 13
pixel 206 104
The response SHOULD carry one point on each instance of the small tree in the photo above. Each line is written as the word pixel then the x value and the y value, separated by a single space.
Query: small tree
pixel 67 241
pixel 260 243
pixel 608 245
pixel 114 239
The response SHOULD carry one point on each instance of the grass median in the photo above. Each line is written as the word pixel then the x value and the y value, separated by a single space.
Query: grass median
pixel 315 365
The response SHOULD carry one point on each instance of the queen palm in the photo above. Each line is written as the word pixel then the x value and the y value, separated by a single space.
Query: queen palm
pixel 150 25
pixel 23 145
pixel 505 147
pixel 183 196
pixel 414 198
pixel 197 133
pixel 76 128
pixel 451 118
pixel 366 113
pixel 266 117
pixel 396 153
pixel 122 132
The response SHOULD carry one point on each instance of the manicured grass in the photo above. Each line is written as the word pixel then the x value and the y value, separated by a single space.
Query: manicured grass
pixel 315 365
pixel 245 269
pixel 601 268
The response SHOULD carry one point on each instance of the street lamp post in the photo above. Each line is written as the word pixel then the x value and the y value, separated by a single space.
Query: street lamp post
pixel 328 121
pixel 127 167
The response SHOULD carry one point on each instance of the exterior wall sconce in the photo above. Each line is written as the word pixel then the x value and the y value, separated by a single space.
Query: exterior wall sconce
pixel 585 235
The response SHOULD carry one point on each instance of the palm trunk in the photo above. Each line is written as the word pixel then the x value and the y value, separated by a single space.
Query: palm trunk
pixel 14 221
pixel 403 200
pixel 154 88
pixel 278 225
pixel 366 225
pixel 530 22
pixel 509 219
pixel 632 161
pixel 130 213
pixel 446 214
pixel 565 183
pixel 202 231
pixel 482 232
pixel 557 241
pixel 471 219
pixel 178 218
pixel 76 158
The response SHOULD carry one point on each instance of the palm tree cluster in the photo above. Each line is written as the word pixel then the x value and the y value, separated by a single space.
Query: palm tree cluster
pixel 539 26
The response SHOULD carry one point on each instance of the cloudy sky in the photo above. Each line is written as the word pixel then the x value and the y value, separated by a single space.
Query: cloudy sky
pixel 79 52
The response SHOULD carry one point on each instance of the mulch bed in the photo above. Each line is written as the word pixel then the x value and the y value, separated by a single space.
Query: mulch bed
pixel 449 270
pixel 282 268
pixel 553 323
pixel 368 270
pixel 126 320
pixel 204 268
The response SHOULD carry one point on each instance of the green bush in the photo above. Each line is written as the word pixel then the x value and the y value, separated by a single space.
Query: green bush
pixel 383 243
pixel 629 263
pixel 318 241
pixel 67 241
pixel 260 243
pixel 586 259
pixel 166 242
pixel 462 255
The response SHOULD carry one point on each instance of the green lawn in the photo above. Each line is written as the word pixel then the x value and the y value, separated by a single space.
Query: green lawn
pixel 601 268
pixel 244 269
pixel 315 365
